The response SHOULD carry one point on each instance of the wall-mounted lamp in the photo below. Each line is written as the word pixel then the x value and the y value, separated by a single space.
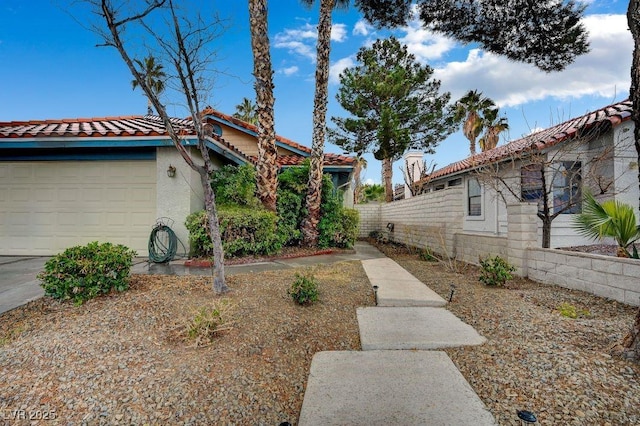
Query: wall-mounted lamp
pixel 171 171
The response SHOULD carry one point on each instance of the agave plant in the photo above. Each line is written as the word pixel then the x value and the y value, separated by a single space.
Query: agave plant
pixel 610 218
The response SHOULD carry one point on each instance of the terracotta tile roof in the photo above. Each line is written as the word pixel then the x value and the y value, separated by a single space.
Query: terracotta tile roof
pixel 252 128
pixel 134 125
pixel 329 160
pixel 150 126
pixel 608 116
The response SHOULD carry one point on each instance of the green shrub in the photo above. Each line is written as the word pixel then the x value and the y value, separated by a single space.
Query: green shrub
pixel 83 272
pixel 235 185
pixel 197 224
pixel 569 311
pixel 247 231
pixel 495 271
pixel 337 227
pixel 427 255
pixel 209 321
pixel 304 289
pixel 244 231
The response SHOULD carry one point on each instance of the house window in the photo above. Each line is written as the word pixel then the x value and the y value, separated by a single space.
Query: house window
pixel 567 187
pixel 474 198
pixel 217 129
pixel 455 182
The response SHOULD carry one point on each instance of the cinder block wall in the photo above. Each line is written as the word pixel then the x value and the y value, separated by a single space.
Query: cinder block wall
pixel 604 276
pixel 471 247
pixel 428 220
pixel 369 218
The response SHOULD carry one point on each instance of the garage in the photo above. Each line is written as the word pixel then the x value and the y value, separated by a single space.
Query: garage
pixel 47 206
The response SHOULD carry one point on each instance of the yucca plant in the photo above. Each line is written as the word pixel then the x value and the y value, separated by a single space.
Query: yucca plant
pixel 610 218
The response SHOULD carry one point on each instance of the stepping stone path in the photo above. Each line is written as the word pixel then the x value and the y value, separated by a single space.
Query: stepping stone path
pixel 397 378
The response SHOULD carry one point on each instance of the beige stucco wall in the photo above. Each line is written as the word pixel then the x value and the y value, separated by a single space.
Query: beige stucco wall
pixel 179 196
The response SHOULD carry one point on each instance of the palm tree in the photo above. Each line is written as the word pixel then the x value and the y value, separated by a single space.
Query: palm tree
pixel 314 186
pixel 373 192
pixel 494 126
pixel 471 109
pixel 266 167
pixel 610 218
pixel 246 111
pixel 153 74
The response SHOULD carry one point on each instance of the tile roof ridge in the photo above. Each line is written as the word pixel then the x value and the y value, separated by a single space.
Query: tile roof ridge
pixel 68 120
pixel 544 138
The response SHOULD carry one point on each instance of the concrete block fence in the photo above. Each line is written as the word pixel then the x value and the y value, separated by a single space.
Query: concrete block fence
pixel 605 276
pixel 435 220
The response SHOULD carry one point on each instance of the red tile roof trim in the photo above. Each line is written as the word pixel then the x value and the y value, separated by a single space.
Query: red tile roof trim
pixel 610 115
pixel 147 126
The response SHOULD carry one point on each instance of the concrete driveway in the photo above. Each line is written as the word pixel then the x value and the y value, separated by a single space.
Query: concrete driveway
pixel 18 282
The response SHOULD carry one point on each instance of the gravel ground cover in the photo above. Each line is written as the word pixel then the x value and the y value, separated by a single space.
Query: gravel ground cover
pixel 535 358
pixel 121 359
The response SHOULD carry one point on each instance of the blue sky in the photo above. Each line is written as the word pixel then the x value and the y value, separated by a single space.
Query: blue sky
pixel 51 68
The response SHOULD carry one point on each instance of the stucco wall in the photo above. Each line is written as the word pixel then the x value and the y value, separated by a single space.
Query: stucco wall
pixel 180 195
pixel 610 277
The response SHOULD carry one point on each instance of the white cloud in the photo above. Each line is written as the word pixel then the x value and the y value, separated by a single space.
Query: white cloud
pixel 338 67
pixel 302 40
pixel 604 71
pixel 362 28
pixel 289 70
pixel 424 44
pixel 338 33
pixel 369 181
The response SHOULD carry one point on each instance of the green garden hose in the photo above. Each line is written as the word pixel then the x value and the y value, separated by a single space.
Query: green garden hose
pixel 163 244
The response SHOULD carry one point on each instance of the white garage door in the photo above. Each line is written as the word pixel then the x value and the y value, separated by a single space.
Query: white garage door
pixel 46 207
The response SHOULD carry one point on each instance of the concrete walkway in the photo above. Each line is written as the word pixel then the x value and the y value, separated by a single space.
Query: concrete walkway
pixel 396 378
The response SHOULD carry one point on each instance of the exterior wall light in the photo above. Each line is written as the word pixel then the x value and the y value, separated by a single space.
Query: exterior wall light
pixel 171 171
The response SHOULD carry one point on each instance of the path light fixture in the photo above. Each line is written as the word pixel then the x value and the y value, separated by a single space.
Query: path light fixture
pixel 526 417
pixel 452 290
pixel 390 226
pixel 375 293
pixel 171 171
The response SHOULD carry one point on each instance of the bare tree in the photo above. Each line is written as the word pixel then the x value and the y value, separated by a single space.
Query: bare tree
pixel 183 44
pixel 553 177
pixel 417 172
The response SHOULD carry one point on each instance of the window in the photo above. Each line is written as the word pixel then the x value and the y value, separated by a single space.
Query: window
pixel 474 198
pixel 455 182
pixel 566 186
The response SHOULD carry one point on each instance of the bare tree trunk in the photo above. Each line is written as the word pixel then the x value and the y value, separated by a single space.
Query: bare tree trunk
pixel 387 174
pixel 219 284
pixel 314 187
pixel 185 61
pixel 546 233
pixel 267 167
pixel 632 340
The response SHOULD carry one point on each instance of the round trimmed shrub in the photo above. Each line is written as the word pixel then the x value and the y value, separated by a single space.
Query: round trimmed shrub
pixel 81 273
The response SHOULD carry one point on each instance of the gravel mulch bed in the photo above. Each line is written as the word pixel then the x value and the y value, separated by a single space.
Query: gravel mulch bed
pixel 122 359
pixel 536 359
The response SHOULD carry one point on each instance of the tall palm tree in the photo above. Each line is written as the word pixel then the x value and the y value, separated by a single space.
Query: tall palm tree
pixel 153 74
pixel 246 111
pixel 471 109
pixel 494 125
pixel 314 186
pixel 266 167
